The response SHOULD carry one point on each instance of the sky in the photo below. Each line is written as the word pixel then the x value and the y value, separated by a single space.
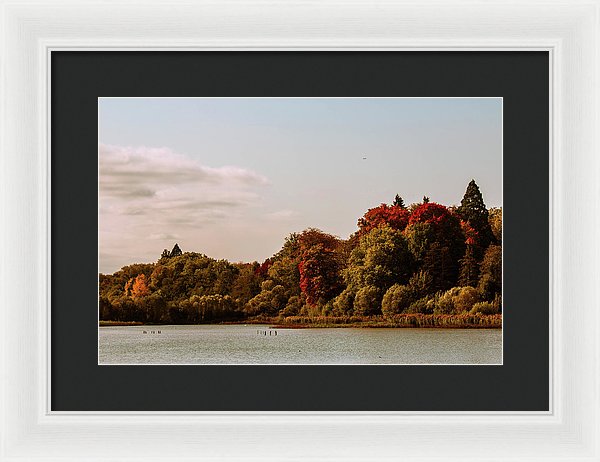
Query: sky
pixel 232 177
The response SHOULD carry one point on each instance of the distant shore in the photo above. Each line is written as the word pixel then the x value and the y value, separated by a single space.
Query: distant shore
pixel 120 323
pixel 434 321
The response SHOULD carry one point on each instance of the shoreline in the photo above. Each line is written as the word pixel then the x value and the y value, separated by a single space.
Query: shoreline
pixel 375 326
pixel 421 321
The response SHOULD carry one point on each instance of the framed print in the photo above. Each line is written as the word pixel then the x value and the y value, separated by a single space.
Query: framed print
pixel 304 168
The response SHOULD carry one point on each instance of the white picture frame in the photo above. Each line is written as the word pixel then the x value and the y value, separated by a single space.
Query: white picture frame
pixel 568 30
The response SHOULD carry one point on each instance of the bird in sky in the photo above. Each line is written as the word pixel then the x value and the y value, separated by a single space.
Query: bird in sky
pixel 364 158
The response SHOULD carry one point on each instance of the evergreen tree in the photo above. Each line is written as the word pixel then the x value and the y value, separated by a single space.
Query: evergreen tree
pixel 165 254
pixel 425 200
pixel 469 269
pixel 441 266
pixel 399 202
pixel 472 209
pixel 176 251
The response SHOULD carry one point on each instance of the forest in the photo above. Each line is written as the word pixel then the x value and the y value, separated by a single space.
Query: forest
pixel 422 265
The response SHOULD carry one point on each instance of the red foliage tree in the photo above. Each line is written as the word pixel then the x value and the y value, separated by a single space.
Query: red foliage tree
pixel 430 212
pixel 319 265
pixel 319 274
pixel 394 216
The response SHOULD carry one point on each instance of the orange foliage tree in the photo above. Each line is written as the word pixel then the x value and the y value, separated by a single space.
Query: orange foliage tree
pixel 140 287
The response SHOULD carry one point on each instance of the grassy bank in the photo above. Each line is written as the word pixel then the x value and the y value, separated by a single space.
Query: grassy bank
pixel 453 321
pixel 119 323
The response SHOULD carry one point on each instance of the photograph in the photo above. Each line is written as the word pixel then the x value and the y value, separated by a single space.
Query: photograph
pixel 300 231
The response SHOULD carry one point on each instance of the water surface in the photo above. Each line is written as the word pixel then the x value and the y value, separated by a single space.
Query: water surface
pixel 255 344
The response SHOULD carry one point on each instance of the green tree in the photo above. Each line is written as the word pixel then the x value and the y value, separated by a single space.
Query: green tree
pixel 247 283
pixel 293 306
pixel 490 280
pixel 381 259
pixel 495 220
pixel 343 304
pixel 397 299
pixel 465 299
pixel 419 237
pixel 368 301
pixel 284 270
pixel 421 284
pixel 455 300
pixel 269 301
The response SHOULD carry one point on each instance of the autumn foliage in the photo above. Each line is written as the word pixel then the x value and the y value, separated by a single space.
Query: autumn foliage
pixel 394 216
pixel 402 264
pixel 319 265
pixel 140 288
pixel 319 274
pixel 471 235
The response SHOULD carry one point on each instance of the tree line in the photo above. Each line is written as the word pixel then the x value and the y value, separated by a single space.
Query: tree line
pixel 426 258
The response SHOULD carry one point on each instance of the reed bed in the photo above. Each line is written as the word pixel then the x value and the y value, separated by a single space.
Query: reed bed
pixel 119 323
pixel 464 321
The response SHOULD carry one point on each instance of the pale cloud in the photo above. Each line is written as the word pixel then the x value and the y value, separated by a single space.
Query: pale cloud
pixel 130 172
pixel 159 195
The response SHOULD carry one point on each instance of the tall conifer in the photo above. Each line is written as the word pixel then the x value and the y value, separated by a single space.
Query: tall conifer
pixel 473 210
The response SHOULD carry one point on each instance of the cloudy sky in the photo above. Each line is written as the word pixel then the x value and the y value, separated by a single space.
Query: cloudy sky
pixel 232 177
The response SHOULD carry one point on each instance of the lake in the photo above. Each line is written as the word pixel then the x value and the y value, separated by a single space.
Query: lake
pixel 256 344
